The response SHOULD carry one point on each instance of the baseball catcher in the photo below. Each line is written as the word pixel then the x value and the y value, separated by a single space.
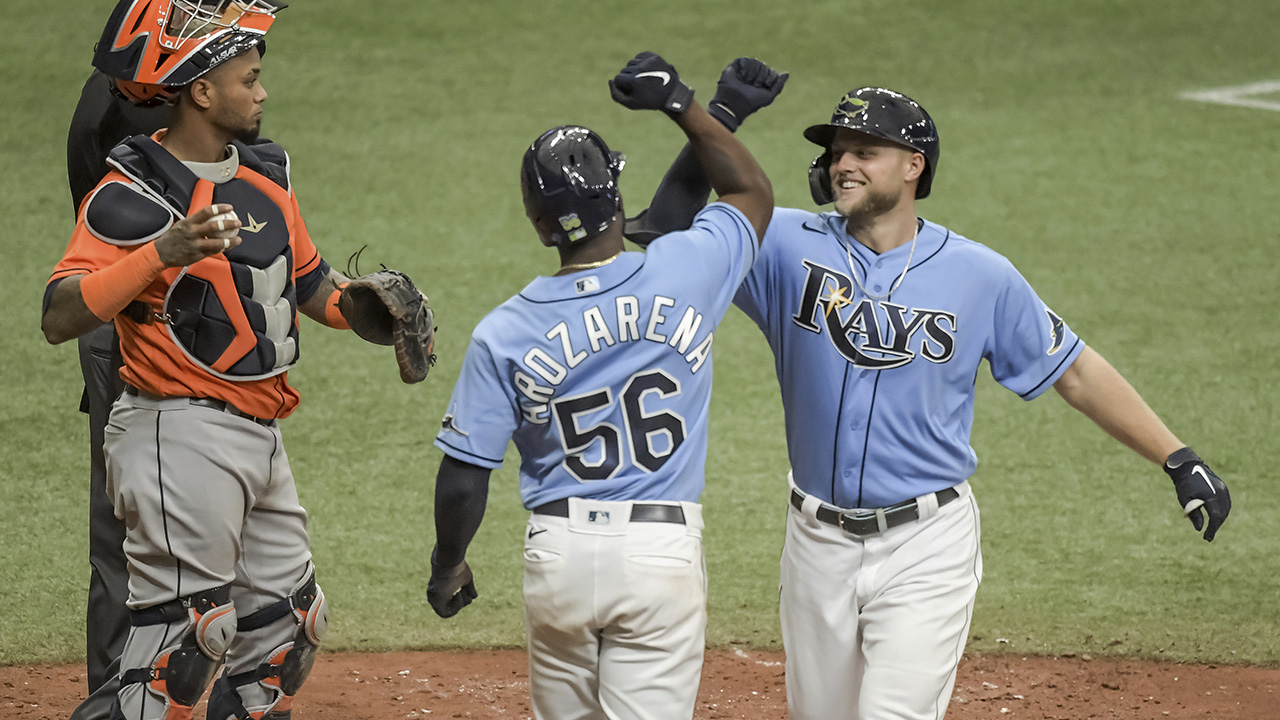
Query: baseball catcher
pixel 385 308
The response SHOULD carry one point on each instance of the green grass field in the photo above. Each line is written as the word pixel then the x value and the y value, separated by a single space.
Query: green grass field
pixel 1144 219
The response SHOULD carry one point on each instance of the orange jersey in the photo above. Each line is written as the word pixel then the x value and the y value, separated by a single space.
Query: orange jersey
pixel 154 361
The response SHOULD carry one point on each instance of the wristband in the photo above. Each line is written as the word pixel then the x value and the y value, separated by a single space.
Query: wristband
pixel 332 315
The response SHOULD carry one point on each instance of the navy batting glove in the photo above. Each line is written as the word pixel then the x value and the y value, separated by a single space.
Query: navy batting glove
pixel 1200 492
pixel 745 86
pixel 450 588
pixel 650 83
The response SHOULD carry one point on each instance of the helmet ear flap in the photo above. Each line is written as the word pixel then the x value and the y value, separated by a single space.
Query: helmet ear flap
pixel 820 179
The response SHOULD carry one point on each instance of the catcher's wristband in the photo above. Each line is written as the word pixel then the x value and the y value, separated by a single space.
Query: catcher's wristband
pixel 332 315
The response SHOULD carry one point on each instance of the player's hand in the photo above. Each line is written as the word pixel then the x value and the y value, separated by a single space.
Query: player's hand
pixel 745 86
pixel 450 588
pixel 650 83
pixel 203 233
pixel 1200 492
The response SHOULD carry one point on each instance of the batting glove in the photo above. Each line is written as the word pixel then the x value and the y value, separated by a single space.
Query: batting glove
pixel 1200 492
pixel 450 588
pixel 650 83
pixel 745 86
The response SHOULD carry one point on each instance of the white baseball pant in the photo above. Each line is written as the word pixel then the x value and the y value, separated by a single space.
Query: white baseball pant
pixel 615 612
pixel 874 627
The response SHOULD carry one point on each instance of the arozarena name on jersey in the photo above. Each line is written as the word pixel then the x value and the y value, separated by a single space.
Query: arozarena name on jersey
pixel 857 331
pixel 632 325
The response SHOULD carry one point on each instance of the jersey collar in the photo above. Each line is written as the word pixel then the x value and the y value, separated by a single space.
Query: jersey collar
pixel 930 239
pixel 586 283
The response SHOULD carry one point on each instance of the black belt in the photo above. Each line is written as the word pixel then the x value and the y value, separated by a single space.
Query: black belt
pixel 640 512
pixel 221 405
pixel 866 521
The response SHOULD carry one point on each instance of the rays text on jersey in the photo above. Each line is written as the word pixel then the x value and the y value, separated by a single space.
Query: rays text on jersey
pixel 872 334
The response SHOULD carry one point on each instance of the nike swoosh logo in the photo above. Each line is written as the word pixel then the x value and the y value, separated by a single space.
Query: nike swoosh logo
pixel 666 77
pixel 1199 470
pixel 533 532
pixel 253 225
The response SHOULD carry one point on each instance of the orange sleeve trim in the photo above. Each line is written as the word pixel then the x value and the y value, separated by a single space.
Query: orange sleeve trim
pixel 332 315
pixel 107 291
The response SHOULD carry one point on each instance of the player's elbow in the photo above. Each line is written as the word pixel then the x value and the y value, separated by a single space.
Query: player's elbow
pixel 54 332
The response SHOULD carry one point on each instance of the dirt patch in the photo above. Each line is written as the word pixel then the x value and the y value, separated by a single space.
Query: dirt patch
pixel 736 684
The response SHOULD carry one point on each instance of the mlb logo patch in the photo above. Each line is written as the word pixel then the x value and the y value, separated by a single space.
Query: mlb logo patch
pixel 587 285
pixel 599 517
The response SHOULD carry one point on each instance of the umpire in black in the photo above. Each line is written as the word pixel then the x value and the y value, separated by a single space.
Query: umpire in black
pixel 106 114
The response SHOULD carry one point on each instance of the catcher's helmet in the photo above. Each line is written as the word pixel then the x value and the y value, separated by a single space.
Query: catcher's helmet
pixel 569 174
pixel 171 43
pixel 881 113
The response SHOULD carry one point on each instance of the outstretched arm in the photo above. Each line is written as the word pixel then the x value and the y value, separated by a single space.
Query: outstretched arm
pixel 1098 391
pixel 650 83
pixel 462 491
pixel 745 86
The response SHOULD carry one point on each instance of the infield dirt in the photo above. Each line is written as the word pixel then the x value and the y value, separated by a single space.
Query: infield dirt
pixel 736 684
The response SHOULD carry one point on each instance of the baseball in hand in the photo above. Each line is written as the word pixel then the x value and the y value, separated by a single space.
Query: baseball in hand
pixel 222 222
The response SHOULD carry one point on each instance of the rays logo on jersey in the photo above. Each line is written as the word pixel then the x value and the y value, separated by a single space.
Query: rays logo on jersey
pixel 1055 332
pixel 878 335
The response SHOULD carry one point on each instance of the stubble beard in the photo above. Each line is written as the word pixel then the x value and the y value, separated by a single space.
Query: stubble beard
pixel 248 135
pixel 864 213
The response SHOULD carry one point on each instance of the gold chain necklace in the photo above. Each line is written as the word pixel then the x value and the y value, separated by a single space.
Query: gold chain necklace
pixel 592 265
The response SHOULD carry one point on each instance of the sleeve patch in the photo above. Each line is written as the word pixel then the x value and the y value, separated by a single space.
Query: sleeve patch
pixel 120 214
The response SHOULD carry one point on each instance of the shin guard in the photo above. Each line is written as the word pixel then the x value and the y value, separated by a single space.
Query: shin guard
pixel 203 625
pixel 284 668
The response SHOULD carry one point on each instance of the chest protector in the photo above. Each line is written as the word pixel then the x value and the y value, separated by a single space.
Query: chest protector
pixel 232 314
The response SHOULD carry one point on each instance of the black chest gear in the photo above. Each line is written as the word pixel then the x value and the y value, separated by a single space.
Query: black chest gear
pixel 234 314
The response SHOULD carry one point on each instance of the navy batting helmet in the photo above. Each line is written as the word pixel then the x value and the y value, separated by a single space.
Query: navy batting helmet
pixel 881 113
pixel 570 175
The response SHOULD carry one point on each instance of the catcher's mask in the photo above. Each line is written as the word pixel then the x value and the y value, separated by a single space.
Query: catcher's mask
pixel 569 174
pixel 881 113
pixel 171 43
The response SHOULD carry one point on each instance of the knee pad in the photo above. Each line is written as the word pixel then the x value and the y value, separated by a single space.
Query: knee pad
pixel 285 668
pixel 182 670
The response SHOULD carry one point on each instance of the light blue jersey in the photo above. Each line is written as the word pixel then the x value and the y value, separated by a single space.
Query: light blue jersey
pixel 879 391
pixel 603 377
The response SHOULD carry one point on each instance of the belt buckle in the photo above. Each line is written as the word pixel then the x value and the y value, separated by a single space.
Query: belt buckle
pixel 855 522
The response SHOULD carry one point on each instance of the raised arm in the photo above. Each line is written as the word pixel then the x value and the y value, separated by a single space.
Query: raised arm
pixel 650 83
pixel 81 303
pixel 745 86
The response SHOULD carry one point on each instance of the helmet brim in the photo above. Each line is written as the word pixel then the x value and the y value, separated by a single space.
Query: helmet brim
pixel 820 135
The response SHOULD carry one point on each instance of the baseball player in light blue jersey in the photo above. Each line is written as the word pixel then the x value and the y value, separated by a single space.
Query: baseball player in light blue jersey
pixel 878 321
pixel 601 374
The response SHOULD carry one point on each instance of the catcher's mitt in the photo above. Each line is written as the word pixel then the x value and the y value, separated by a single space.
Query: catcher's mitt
pixel 385 308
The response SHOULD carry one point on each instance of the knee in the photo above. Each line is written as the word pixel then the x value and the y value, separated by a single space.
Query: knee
pixel 268 689
pixel 204 624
